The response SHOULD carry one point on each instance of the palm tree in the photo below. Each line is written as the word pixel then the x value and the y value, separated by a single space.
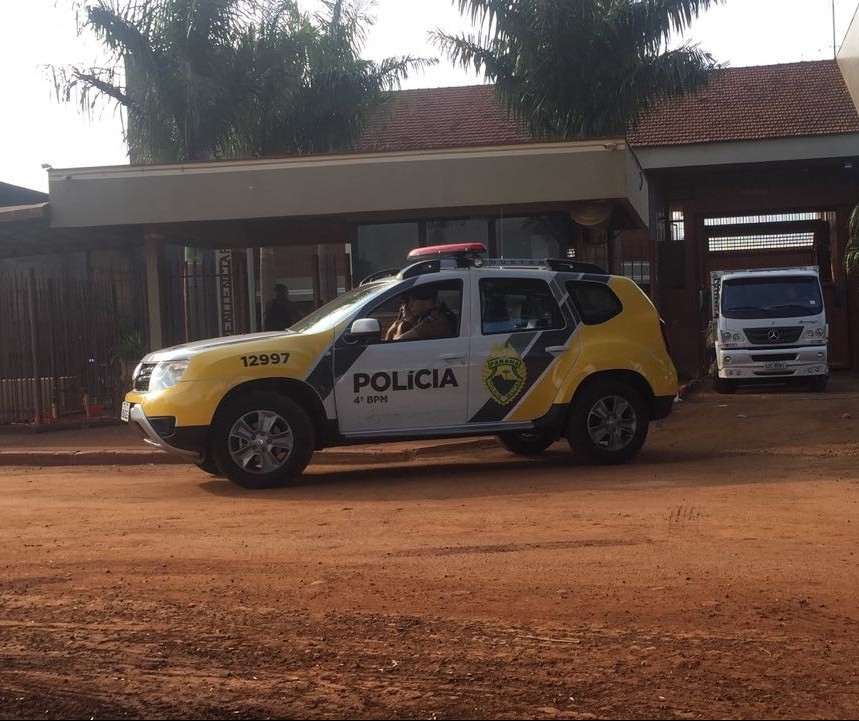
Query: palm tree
pixel 308 89
pixel 851 252
pixel 233 78
pixel 580 68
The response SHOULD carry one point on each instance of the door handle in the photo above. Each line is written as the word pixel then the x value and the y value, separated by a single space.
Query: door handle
pixel 555 350
pixel 452 356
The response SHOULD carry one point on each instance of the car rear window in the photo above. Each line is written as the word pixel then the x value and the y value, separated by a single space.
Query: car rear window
pixel 596 302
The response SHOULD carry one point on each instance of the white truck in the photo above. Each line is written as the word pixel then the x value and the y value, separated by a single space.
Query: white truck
pixel 768 324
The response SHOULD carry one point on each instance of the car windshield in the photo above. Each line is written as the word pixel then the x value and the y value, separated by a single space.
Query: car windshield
pixel 336 310
pixel 782 297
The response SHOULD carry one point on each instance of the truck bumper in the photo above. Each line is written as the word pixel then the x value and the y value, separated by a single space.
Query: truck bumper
pixel 749 364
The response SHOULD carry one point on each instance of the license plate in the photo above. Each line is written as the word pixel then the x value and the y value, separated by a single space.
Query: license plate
pixel 126 410
pixel 775 366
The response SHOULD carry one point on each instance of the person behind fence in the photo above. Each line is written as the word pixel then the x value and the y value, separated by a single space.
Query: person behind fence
pixel 279 311
pixel 422 316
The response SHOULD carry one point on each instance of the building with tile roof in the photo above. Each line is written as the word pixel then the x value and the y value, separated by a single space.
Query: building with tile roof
pixel 761 168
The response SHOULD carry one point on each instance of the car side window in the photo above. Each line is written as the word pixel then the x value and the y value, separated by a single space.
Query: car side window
pixel 422 312
pixel 596 302
pixel 508 305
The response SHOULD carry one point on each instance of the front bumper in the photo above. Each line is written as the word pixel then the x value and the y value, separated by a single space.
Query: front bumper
pixel 137 416
pixel 755 363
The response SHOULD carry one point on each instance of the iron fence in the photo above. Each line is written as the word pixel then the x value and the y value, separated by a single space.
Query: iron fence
pixel 66 344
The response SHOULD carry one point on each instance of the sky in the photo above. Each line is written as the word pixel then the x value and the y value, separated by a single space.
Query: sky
pixel 36 129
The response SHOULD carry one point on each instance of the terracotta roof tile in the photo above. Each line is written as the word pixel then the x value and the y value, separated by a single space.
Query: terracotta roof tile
pixel 755 103
pixel 748 103
pixel 435 118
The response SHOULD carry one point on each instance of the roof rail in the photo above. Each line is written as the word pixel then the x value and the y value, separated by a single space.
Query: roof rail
pixel 557 264
pixel 425 266
pixel 379 274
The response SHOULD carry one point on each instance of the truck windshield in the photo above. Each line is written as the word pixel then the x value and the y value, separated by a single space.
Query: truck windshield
pixel 782 297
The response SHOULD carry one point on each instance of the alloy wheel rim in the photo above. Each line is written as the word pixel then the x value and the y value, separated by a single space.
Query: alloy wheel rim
pixel 260 441
pixel 612 423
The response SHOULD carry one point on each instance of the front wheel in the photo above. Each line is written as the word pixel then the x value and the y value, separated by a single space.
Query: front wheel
pixel 526 443
pixel 608 422
pixel 262 440
pixel 723 385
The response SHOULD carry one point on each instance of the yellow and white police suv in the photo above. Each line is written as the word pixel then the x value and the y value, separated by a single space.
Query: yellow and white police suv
pixel 528 350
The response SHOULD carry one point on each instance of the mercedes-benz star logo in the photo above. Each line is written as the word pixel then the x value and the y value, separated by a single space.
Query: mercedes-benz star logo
pixel 773 336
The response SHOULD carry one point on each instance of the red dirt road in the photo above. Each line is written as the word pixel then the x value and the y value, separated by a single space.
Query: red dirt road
pixel 715 576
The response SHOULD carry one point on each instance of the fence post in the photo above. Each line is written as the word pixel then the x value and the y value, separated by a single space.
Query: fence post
pixel 34 344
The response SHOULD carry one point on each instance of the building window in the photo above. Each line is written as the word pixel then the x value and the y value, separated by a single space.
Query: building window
pixel 382 246
pixel 466 230
pixel 676 222
pixel 536 236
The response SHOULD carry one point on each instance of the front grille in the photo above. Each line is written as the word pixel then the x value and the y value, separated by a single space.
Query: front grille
pixel 773 336
pixel 141 383
pixel 774 357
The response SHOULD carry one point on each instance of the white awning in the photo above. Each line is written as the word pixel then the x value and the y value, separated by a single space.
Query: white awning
pixel 313 186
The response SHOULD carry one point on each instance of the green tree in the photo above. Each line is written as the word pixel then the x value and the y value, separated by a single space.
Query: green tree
pixel 233 78
pixel 580 68
pixel 851 251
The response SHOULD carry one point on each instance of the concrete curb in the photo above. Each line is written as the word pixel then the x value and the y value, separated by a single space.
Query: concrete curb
pixel 377 453
pixel 341 455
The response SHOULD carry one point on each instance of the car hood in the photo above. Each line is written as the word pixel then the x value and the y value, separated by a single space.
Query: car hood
pixel 189 350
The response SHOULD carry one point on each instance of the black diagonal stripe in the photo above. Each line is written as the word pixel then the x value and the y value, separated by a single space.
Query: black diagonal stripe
pixel 326 373
pixel 324 376
pixel 536 361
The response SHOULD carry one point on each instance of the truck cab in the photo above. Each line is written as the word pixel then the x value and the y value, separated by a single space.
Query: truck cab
pixel 768 325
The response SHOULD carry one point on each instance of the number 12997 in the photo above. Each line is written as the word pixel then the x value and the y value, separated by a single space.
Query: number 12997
pixel 264 359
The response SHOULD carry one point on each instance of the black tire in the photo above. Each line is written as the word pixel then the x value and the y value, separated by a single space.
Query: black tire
pixel 724 386
pixel 262 440
pixel 608 422
pixel 818 384
pixel 526 443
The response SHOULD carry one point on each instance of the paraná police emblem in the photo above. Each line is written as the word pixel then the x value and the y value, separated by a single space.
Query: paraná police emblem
pixel 504 374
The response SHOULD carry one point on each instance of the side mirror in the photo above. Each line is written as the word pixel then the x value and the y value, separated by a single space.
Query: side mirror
pixel 365 330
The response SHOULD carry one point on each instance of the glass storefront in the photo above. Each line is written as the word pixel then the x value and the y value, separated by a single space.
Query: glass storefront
pixel 381 246
pixel 385 245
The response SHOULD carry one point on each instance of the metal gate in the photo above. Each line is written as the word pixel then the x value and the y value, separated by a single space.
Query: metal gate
pixel 68 344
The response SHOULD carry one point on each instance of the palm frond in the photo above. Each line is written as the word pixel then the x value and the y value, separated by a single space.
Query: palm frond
pixel 851 252
pixel 577 68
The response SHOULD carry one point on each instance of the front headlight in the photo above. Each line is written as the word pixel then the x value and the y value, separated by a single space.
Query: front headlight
pixel 167 374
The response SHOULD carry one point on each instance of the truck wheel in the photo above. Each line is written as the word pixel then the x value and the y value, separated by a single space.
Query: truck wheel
pixel 262 440
pixel 526 443
pixel 724 386
pixel 817 384
pixel 608 422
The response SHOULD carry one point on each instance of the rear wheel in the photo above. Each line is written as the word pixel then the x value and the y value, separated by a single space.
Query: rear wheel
pixel 262 440
pixel 526 443
pixel 608 422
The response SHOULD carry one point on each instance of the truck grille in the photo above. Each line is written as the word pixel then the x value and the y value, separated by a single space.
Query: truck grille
pixel 141 383
pixel 773 357
pixel 773 336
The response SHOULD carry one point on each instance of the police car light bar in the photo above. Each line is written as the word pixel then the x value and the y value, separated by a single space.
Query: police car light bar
pixel 450 251
pixel 464 254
